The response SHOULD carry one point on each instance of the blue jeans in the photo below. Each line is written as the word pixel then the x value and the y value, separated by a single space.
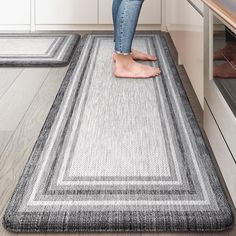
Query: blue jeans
pixel 125 15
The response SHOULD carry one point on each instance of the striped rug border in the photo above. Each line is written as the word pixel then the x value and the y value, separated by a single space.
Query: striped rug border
pixel 222 222
pixel 64 43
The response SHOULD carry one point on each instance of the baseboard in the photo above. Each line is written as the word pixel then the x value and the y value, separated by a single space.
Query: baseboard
pixel 90 27
pixel 6 28
pixel 70 27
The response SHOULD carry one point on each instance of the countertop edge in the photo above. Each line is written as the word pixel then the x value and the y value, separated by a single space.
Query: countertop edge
pixel 226 15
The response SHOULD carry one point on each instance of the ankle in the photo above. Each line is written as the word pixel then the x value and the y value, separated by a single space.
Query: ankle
pixel 123 60
pixel 122 56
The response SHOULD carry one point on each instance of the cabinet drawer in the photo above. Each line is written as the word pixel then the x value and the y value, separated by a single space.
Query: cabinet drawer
pixel 150 14
pixel 222 154
pixel 222 113
pixel 15 12
pixel 66 12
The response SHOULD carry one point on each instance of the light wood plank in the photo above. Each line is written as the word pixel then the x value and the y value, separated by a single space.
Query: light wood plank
pixel 14 157
pixel 7 78
pixel 17 99
pixel 5 136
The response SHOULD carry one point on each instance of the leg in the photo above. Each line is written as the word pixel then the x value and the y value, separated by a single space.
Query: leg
pixel 229 50
pixel 125 26
pixel 126 22
pixel 227 70
pixel 115 8
pixel 136 55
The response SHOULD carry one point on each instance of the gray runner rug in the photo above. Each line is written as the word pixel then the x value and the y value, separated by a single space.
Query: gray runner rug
pixel 119 154
pixel 37 49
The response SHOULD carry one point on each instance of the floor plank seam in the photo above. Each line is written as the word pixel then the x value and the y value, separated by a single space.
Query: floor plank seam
pixel 24 113
pixel 12 83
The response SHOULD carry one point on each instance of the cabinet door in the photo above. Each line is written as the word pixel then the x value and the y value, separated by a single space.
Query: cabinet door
pixel 199 4
pixel 15 12
pixel 150 14
pixel 66 12
pixel 185 25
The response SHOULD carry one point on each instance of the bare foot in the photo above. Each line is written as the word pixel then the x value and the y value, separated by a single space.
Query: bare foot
pixel 225 71
pixel 229 51
pixel 126 67
pixel 137 55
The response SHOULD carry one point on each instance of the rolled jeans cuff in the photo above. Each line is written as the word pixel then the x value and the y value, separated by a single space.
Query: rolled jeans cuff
pixel 123 53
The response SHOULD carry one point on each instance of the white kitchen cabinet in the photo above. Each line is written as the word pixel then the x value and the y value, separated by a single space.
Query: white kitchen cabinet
pixel 66 12
pixel 221 151
pixel 199 4
pixel 70 15
pixel 185 25
pixel 219 115
pixel 150 14
pixel 13 12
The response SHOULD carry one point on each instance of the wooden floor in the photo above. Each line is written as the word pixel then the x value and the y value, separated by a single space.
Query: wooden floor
pixel 26 95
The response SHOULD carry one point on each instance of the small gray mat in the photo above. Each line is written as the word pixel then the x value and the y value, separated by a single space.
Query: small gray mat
pixel 37 49
pixel 119 154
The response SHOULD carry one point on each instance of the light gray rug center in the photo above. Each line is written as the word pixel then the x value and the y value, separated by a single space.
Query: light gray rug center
pixel 119 154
